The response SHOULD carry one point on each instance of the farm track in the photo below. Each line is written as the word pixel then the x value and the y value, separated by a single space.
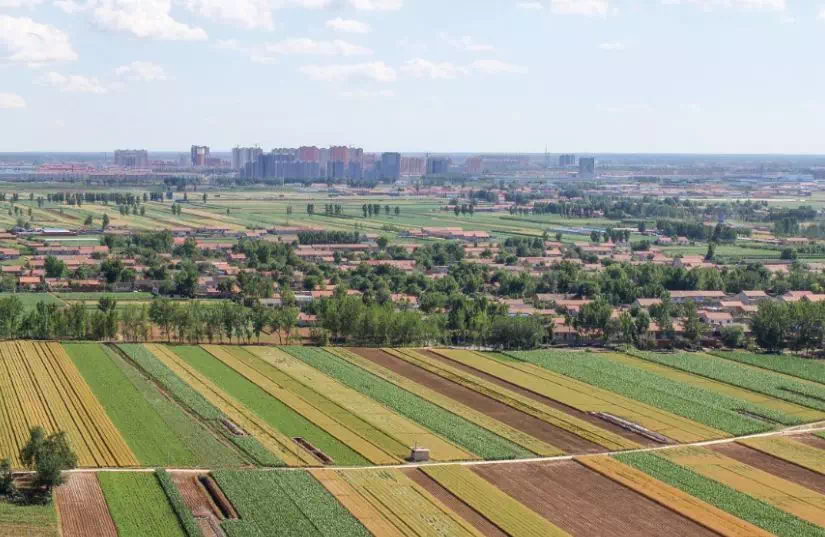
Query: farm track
pixel 82 508
pixel 584 503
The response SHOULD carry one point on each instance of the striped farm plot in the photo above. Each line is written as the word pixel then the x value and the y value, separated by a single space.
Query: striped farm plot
pixel 40 386
pixel 458 430
pixel 795 499
pixel 360 436
pixel 33 520
pixel 500 428
pixel 398 427
pixel 138 505
pixel 558 418
pixel 794 366
pixel 283 447
pixel 790 450
pixel 390 504
pixel 716 415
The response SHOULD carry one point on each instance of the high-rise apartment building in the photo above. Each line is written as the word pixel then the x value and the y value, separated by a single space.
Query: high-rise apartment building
pixel 567 160
pixel 413 166
pixel 587 168
pixel 241 156
pixel 438 165
pixel 199 154
pixel 391 166
pixel 132 158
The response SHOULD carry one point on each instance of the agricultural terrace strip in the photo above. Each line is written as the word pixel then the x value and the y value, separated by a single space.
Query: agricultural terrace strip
pixel 788 449
pixel 531 445
pixel 264 405
pixel 292 502
pixel 184 394
pixel 139 506
pixel 149 437
pixel 784 412
pixel 404 506
pixel 28 520
pixel 40 386
pixel 357 400
pixel 674 499
pixel 788 496
pixel 578 434
pixel 803 392
pixel 501 509
pixel 281 446
pixel 82 507
pixel 185 517
pixel 334 420
pixel 738 504
pixel 708 408
pixel 795 366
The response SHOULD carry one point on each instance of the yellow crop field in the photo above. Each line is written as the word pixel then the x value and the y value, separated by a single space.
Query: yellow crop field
pixel 470 414
pixel 558 418
pixel 40 386
pixel 271 439
pixel 261 373
pixel 407 507
pixel 502 510
pixel 587 398
pixel 786 495
pixel 395 425
pixel 803 413
pixel 674 499
pixel 788 449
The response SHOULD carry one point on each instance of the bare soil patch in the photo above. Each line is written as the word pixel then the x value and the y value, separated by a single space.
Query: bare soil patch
pixel 773 465
pixel 82 508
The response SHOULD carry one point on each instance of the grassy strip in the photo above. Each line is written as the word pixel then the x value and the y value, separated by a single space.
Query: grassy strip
pixel 17 519
pixel 138 505
pixel 699 405
pixel 750 378
pixel 268 408
pixel 460 431
pixel 150 438
pixel 813 370
pixel 194 401
pixel 187 520
pixel 741 505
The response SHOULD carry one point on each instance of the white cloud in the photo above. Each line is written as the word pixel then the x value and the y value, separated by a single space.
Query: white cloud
pixel 368 94
pixel 821 13
pixel 756 5
pixel 613 46
pixel 496 67
pixel 466 43
pixel 70 6
pixel 590 8
pixel 34 43
pixel 142 71
pixel 146 19
pixel 348 25
pixel 530 5
pixel 377 71
pixel 19 3
pixel 255 54
pixel 377 5
pixel 247 13
pixel 73 83
pixel 421 68
pixel 11 100
pixel 305 46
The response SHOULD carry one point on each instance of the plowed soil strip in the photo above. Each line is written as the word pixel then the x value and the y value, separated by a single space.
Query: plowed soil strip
pixel 544 400
pixel 496 410
pixel 773 465
pixel 813 441
pixel 585 504
pixel 460 508
pixel 82 508
pixel 199 503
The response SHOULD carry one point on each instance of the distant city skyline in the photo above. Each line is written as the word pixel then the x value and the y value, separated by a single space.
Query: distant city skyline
pixel 468 76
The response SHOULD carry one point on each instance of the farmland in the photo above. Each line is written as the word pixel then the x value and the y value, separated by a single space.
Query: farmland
pixel 346 418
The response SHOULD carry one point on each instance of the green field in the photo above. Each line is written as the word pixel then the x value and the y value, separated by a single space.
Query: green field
pixel 139 506
pixel 22 520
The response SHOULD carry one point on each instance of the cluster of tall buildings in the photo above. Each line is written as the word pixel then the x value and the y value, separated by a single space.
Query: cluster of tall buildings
pixel 199 156
pixel 310 162
pixel 132 158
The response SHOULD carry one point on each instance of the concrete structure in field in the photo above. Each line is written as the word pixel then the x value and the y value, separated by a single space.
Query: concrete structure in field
pixel 566 161
pixel 391 166
pixel 587 168
pixel 132 158
pixel 199 154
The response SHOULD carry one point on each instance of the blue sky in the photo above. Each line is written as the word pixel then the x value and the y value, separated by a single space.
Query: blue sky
pixel 688 76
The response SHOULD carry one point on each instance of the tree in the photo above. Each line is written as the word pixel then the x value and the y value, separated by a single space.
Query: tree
pixel 6 480
pixel 397 210
pixel 770 325
pixel 595 236
pixel 111 269
pixel 89 220
pixel 382 242
pixel 694 327
pixel 162 313
pixel 732 336
pixel 48 457
pixel 288 213
pixel 105 222
pixel 54 267
pixel 711 252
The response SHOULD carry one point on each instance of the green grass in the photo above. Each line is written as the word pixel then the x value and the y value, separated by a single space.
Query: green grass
pixel 120 297
pixel 268 408
pixel 807 369
pixel 187 520
pixel 750 378
pixel 704 406
pixel 191 399
pixel 303 508
pixel 138 505
pixel 740 505
pixel 455 428
pixel 30 300
pixel 22 520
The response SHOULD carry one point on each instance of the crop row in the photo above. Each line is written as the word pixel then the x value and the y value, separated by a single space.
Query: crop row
pixel 705 407
pixel 727 499
pixel 463 433
pixel 752 378
pixel 788 449
pixel 813 370
pixel 138 505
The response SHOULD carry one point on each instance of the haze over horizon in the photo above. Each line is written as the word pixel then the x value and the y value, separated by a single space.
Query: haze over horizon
pixel 611 76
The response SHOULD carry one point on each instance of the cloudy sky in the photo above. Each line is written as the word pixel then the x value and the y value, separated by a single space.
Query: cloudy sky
pixel 704 76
